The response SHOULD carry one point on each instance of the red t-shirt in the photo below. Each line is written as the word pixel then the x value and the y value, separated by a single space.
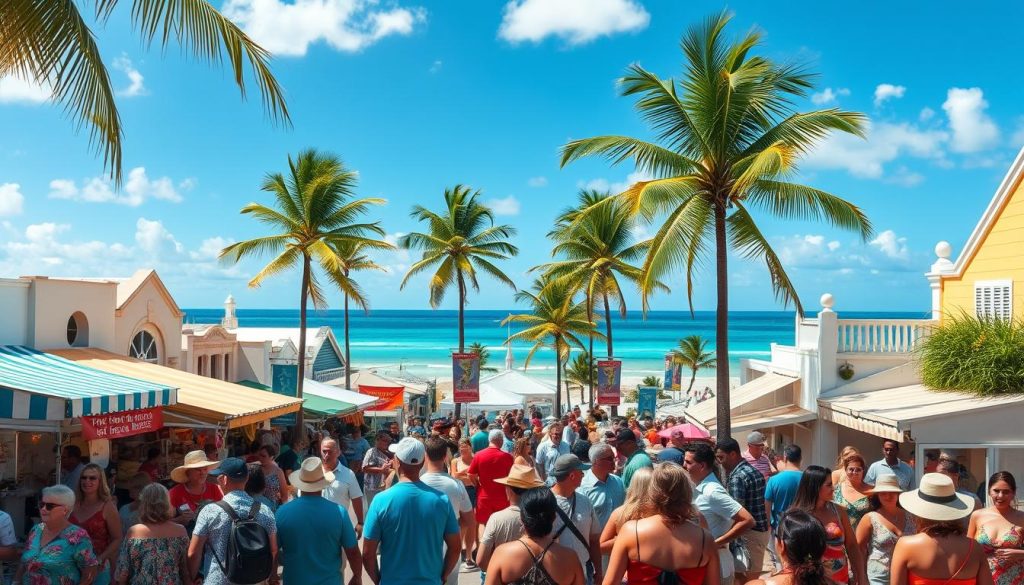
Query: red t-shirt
pixel 490 464
pixel 180 495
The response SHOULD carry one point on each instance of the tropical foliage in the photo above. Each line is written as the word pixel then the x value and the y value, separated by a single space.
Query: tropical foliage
pixel 460 242
pixel 980 356
pixel 581 372
pixel 692 354
pixel 727 143
pixel 314 215
pixel 651 381
pixel 352 258
pixel 50 43
pixel 556 321
pixel 484 354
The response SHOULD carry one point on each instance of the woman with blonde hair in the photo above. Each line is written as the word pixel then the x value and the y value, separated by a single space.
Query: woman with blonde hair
pixel 96 513
pixel 635 507
pixel 521 452
pixel 667 542
pixel 155 551
pixel 852 493
pixel 839 471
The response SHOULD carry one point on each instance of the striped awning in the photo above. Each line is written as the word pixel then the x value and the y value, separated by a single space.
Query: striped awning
pixel 40 386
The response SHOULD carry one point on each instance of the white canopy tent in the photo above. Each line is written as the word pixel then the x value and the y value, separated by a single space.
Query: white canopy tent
pixel 491 398
pixel 362 401
pixel 516 382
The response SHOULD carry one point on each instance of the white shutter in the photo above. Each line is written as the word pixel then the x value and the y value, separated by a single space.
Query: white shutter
pixel 993 299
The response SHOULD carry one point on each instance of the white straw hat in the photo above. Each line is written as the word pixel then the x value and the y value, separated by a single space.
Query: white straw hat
pixel 937 500
pixel 887 483
pixel 310 476
pixel 193 460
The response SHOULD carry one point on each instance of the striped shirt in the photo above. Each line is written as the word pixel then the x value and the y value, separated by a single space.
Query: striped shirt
pixel 762 463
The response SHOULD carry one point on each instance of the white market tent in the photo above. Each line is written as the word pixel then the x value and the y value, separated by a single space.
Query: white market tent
pixel 362 401
pixel 491 398
pixel 516 382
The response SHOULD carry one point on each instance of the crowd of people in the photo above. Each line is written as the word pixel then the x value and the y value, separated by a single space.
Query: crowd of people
pixel 525 501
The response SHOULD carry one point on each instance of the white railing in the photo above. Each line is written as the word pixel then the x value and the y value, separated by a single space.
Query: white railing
pixel 327 375
pixel 882 335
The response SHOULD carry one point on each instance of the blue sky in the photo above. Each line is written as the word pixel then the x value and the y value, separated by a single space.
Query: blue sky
pixel 418 96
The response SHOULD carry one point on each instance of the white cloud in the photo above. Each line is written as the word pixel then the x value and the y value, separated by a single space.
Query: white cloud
pixel 829 95
pixel 604 185
pixel 833 246
pixel 11 199
pixel 904 177
pixel 154 239
pixel 395 262
pixel 891 245
pixel 289 28
pixel 538 182
pixel 574 21
pixel 887 91
pixel 436 66
pixel 504 206
pixel 15 90
pixel 926 114
pixel 210 248
pixel 137 189
pixel 973 129
pixel 885 143
pixel 136 83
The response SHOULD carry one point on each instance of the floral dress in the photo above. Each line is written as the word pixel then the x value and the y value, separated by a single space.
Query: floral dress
pixel 153 561
pixel 61 561
pixel 1003 572
pixel 883 542
pixel 856 509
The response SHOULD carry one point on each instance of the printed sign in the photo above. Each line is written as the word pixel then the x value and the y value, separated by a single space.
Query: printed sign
pixel 669 372
pixel 465 377
pixel 647 403
pixel 609 373
pixel 284 380
pixel 677 378
pixel 122 424
pixel 392 397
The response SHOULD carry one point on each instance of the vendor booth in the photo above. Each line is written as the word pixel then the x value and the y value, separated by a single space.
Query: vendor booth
pixel 492 399
pixel 534 392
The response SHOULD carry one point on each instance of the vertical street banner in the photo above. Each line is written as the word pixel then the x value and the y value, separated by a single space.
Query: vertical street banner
pixel 647 402
pixel 677 378
pixel 465 377
pixel 284 379
pixel 609 374
pixel 669 369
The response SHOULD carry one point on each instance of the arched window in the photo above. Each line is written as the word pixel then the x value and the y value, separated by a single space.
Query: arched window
pixel 144 347
pixel 78 330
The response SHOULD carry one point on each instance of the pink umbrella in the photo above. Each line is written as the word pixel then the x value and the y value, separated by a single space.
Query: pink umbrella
pixel 689 430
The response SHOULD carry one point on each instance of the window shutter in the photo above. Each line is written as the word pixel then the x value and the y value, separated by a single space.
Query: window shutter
pixel 993 299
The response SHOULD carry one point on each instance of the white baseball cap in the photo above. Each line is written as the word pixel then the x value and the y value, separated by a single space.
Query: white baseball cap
pixel 409 451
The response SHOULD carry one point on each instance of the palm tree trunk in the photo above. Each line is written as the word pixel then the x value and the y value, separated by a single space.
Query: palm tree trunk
pixel 590 352
pixel 348 358
pixel 462 334
pixel 724 411
pixel 692 378
pixel 558 382
pixel 611 351
pixel 299 419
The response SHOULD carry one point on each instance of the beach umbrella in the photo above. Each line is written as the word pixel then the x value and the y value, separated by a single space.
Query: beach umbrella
pixel 690 431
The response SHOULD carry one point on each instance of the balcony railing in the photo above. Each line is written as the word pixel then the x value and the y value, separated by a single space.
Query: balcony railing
pixel 882 335
pixel 327 375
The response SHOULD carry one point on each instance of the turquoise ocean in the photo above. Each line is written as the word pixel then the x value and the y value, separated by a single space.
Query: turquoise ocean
pixel 421 341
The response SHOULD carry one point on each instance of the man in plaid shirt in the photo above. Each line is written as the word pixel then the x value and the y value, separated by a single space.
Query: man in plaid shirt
pixel 746 486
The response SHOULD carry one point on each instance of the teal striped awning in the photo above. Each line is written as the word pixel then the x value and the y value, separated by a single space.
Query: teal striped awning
pixel 40 386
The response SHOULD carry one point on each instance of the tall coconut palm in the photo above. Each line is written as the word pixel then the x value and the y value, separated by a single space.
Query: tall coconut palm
pixel 693 354
pixel 557 321
pixel 352 258
pixel 728 140
pixel 49 42
pixel 460 241
pixel 597 251
pixel 314 214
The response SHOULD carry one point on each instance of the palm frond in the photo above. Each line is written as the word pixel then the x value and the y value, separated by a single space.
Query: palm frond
pixel 751 243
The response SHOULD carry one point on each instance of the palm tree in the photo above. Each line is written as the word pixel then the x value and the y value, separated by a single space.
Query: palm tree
pixel 597 250
pixel 49 42
pixel 484 354
pixel 581 372
pixel 352 258
pixel 728 140
pixel 556 321
pixel 314 216
pixel 651 381
pixel 693 354
pixel 459 242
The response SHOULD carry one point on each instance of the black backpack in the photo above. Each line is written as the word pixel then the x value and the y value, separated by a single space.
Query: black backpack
pixel 248 559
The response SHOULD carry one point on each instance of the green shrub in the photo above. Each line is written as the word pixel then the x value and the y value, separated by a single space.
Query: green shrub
pixel 983 357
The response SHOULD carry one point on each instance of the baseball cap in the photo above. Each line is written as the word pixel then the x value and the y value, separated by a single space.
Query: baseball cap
pixel 624 436
pixel 233 468
pixel 409 451
pixel 567 463
pixel 755 438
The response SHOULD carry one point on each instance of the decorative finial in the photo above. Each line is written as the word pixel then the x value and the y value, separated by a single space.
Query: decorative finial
pixel 827 301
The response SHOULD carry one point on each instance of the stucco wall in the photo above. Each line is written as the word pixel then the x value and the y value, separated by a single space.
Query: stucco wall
pixel 54 301
pixel 998 257
pixel 14 303
pixel 149 310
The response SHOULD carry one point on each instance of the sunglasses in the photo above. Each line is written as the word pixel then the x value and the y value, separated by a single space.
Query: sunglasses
pixel 49 506
pixel 89 478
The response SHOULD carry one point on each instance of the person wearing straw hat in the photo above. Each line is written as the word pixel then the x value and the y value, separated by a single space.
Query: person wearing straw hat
pixel 312 531
pixel 506 525
pixel 880 528
pixel 193 491
pixel 940 553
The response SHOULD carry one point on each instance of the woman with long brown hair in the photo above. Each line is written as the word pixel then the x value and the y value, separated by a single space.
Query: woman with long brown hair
pixel 842 558
pixel 852 493
pixel 521 452
pixel 96 513
pixel 999 528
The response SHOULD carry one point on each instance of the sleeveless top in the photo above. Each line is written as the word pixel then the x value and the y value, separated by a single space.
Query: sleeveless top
pixel 1003 572
pixel 913 579
pixel 834 558
pixel 880 548
pixel 536 574
pixel 640 573
pixel 273 490
pixel 856 509
pixel 96 527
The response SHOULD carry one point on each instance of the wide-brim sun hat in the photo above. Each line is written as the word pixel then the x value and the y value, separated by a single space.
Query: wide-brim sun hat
pixel 937 500
pixel 522 476
pixel 193 460
pixel 310 476
pixel 887 483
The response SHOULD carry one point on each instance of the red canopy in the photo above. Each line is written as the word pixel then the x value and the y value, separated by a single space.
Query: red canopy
pixel 689 430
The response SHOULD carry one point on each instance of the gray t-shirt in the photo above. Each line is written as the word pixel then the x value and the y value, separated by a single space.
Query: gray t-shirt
pixel 585 519
pixel 215 524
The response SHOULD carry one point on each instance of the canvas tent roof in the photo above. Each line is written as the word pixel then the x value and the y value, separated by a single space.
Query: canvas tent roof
pixel 517 382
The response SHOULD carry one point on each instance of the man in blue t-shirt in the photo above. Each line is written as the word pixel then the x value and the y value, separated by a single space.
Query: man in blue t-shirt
pixel 780 491
pixel 409 522
pixel 479 440
pixel 313 531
